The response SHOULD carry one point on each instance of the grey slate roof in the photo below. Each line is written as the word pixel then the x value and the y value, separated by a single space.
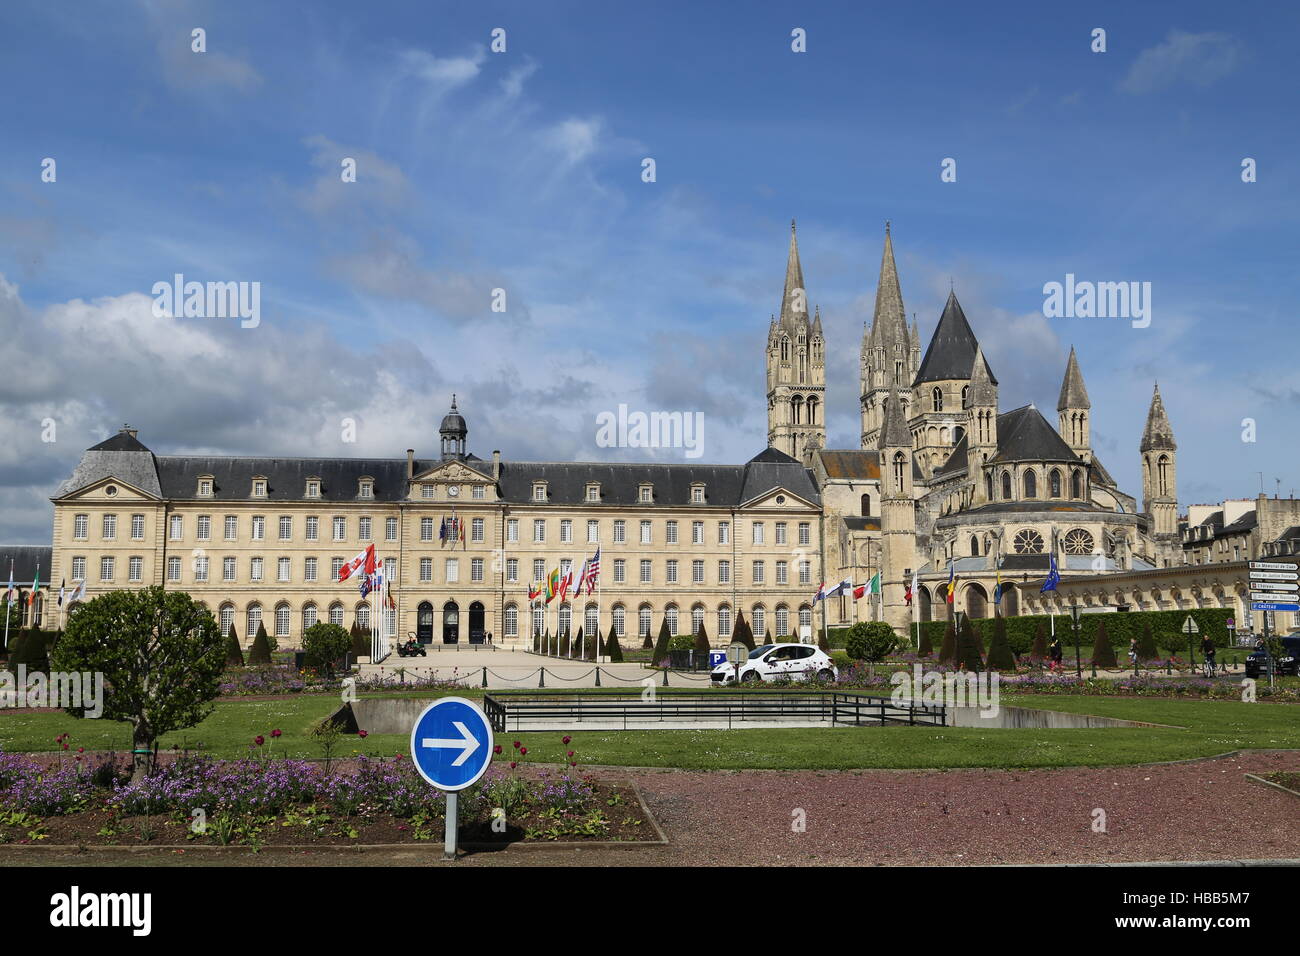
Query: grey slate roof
pixel 121 457
pixel 1073 392
pixel 25 560
pixel 951 354
pixel 1158 432
pixel 894 433
pixel 286 478
pixel 1025 435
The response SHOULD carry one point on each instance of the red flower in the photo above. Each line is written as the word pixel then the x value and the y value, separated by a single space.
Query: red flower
pixel 566 739
pixel 516 745
pixel 496 749
pixel 362 734
pixel 275 733
pixel 259 740
pixel 570 753
pixel 81 750
pixel 522 751
pixel 513 765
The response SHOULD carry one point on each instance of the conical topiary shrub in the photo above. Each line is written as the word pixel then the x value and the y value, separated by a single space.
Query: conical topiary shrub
pixel 360 642
pixel 564 643
pixel 767 637
pixel 613 650
pixel 741 632
pixel 1000 656
pixel 702 646
pixel 260 652
pixel 1038 651
pixel 926 648
pixel 1103 655
pixel 968 654
pixel 234 653
pixel 948 648
pixel 1146 648
pixel 648 643
pixel 661 645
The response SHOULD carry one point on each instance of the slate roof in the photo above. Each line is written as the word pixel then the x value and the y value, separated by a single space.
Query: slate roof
pixel 177 476
pixel 1039 504
pixel 25 560
pixel 951 354
pixel 1025 435
pixel 1073 392
pixel 1158 433
pixel 862 524
pixel 862 465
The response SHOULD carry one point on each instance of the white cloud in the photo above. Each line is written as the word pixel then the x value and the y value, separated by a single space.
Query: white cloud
pixel 574 139
pixel 1196 58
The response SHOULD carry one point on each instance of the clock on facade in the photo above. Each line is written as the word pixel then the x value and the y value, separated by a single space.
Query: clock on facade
pixel 453 490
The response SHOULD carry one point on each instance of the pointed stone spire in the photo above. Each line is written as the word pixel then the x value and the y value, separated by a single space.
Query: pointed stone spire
pixel 1073 392
pixel 982 389
pixel 1158 433
pixel 817 321
pixel 889 322
pixel 952 347
pixel 794 301
pixel 894 433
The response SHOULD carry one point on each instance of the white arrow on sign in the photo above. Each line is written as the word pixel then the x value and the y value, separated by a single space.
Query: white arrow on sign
pixel 467 744
pixel 1274 576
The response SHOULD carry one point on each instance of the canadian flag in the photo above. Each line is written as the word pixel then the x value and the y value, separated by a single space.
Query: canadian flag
pixel 364 561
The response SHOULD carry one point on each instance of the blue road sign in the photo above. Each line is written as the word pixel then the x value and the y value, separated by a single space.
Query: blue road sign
pixel 1261 606
pixel 451 743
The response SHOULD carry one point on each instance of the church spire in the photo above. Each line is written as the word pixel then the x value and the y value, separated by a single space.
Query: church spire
pixel 894 433
pixel 794 300
pixel 1158 432
pixel 889 322
pixel 1073 393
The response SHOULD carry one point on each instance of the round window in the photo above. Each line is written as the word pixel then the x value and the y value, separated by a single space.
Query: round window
pixel 111 491
pixel 780 499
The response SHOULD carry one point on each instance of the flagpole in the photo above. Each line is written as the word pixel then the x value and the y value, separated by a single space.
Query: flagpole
pixel 9 600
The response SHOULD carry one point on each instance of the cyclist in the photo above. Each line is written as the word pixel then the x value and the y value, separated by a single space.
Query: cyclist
pixel 1208 650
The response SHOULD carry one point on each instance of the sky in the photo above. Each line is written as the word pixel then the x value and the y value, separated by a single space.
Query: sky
pixel 522 170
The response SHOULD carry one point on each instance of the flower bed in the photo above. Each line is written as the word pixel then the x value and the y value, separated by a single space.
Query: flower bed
pixel 274 680
pixel 263 800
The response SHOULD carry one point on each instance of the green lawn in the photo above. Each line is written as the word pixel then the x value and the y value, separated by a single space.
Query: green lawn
pixel 1201 728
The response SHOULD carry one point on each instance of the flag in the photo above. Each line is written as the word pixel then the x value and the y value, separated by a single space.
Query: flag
pixel 841 588
pixel 952 580
pixel 997 588
pixel 821 593
pixel 373 580
pixel 364 561
pixel 36 587
pixel 442 530
pixel 79 592
pixel 62 586
pixel 10 590
pixel 582 576
pixel 534 591
pixel 1053 577
pixel 566 582
pixel 552 585
pixel 593 572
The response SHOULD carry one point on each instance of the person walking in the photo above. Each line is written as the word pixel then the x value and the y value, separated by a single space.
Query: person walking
pixel 1133 651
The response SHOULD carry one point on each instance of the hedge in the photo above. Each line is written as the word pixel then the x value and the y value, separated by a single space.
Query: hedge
pixel 1121 626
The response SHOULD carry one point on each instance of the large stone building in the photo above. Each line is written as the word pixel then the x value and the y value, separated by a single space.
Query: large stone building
pixel 944 482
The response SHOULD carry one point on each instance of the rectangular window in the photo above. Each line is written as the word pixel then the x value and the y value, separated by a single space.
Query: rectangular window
pixel 539 569
pixel 201 570
pixel 453 570
pixel 782 572
pixel 176 528
pixel 539 492
pixel 620 571
pixel 780 532
pixel 426 491
pixel 645 572
pixel 79 523
pixel 78 569
pixel 697 572
pixel 512 569
pixel 255 569
pixel 512 529
pixel 593 493
pixel 363 528
pixel 672 572
pixel 539 529
pixel 204 528
pixel 805 533
pixel 478 493
pixel 724 572
pixel 282 569
pixel 476 569
pixel 110 527
pixel 259 528
pixel 286 527
pixel 228 569
pixel 724 532
pixel 476 529
pixel 593 530
pixel 670 532
pixel 805 572
pixel 134 568
pixel 309 569
pixel 645 532
pixel 340 528
pixel 697 532
pixel 173 569
pixel 647 494
pixel 426 569
pixel 697 496
pixel 566 531
pixel 390 529
pixel 758 532
pixel 137 527
pixel 336 565
pixel 426 529
pixel 232 527
pixel 367 490
pixel 620 531
pixel 205 488
pixel 758 572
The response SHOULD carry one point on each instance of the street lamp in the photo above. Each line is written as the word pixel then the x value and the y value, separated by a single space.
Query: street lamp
pixel 1078 654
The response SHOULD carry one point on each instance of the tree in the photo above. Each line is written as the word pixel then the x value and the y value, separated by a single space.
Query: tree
pixel 767 638
pixel 1038 652
pixel 648 643
pixel 1000 656
pixel 702 646
pixel 742 632
pixel 1103 655
pixel 260 652
pixel 360 642
pixel 29 649
pixel 870 641
pixel 324 643
pixel 968 651
pixel 926 647
pixel 661 645
pixel 948 648
pixel 161 656
pixel 822 644
pixel 234 653
pixel 1146 649
pixel 564 643
pixel 613 650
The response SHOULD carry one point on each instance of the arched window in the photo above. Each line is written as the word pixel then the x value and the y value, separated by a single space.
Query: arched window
pixel 539 619
pixel 724 621
pixel 1031 485
pixel 697 618
pixel 254 620
pixel 1162 470
pixel 936 398
pixel 974 547
pixel 812 411
pixel 866 505
pixel 782 620
pixel 965 395
pixel 758 621
pixel 282 620
pixel 988 485
pixel 336 614
pixel 785 349
pixel 620 621
pixel 900 462
pixel 643 621
pixel 227 613
pixel 591 620
pixel 1055 483
pixel 565 620
pixel 805 618
pixel 363 617
pixel 308 616
pixel 670 615
pixel 1076 484
pixel 1006 486
pixel 511 620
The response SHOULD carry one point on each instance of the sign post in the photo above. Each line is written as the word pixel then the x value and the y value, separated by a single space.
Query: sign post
pixel 1191 629
pixel 736 654
pixel 1273 587
pixel 451 744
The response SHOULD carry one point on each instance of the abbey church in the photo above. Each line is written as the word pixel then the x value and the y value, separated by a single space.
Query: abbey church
pixel 947 485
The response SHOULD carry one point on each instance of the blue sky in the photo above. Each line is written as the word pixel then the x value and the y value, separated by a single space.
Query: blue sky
pixel 521 170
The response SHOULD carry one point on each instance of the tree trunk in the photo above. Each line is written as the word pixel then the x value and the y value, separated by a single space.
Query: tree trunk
pixel 143 751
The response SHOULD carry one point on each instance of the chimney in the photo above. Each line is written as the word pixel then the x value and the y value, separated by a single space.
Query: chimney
pixel 410 463
pixel 128 430
pixel 496 464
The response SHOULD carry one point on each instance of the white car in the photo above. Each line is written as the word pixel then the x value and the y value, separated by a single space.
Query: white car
pixel 778 662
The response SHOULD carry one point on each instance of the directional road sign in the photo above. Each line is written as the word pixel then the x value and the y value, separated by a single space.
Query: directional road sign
pixel 451 743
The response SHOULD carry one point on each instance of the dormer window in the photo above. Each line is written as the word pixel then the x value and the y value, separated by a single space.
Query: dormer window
pixel 697 494
pixel 593 491
pixel 366 488
pixel 313 487
pixel 259 487
pixel 205 486
pixel 539 491
pixel 646 494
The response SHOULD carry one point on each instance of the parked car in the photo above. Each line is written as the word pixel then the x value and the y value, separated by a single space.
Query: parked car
pixel 1287 663
pixel 778 662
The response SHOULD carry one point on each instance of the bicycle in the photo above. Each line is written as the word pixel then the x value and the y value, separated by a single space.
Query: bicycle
pixel 1208 667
